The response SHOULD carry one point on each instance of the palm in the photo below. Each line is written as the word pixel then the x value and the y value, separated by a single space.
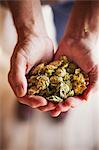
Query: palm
pixel 77 52
pixel 35 50
pixel 81 55
pixel 30 52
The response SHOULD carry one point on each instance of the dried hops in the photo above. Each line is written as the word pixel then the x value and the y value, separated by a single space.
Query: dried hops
pixel 57 81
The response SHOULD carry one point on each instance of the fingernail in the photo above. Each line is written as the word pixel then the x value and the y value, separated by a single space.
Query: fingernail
pixel 44 103
pixel 56 114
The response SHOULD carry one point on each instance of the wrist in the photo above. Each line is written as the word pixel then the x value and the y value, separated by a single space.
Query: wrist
pixel 31 30
pixel 91 41
pixel 24 30
pixel 84 20
pixel 82 31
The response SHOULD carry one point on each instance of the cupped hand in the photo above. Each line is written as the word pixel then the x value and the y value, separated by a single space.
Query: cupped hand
pixel 28 53
pixel 81 53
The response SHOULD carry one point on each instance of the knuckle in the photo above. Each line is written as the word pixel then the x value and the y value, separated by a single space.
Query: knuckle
pixel 10 77
pixel 15 58
pixel 13 79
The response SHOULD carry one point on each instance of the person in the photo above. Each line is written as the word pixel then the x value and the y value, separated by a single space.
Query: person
pixel 79 43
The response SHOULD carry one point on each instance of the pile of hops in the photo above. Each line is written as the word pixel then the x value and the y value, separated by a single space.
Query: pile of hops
pixel 57 80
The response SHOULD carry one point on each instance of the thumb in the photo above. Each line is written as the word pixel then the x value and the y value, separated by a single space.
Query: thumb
pixel 16 76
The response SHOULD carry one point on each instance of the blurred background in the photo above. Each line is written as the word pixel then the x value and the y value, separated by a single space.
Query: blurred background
pixel 80 128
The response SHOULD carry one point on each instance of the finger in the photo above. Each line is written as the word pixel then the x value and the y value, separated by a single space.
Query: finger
pixel 86 93
pixel 93 76
pixel 74 101
pixel 55 113
pixel 16 76
pixel 34 101
pixel 48 107
pixel 63 107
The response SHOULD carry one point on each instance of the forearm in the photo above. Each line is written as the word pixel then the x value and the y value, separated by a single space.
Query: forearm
pixel 84 20
pixel 27 17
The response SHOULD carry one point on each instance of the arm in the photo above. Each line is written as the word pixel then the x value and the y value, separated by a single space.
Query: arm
pixel 80 43
pixel 84 17
pixel 83 28
pixel 33 46
pixel 27 17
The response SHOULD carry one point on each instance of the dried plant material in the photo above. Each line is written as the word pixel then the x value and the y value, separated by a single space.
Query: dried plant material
pixel 42 82
pixel 33 90
pixel 54 80
pixel 37 70
pixel 57 80
pixel 54 98
pixel 61 72
pixel 64 89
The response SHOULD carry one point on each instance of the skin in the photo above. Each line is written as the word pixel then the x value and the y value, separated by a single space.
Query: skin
pixel 34 46
pixel 80 47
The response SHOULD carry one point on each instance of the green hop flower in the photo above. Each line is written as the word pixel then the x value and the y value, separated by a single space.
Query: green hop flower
pixel 61 72
pixel 54 98
pixel 55 80
pixel 42 82
pixel 64 89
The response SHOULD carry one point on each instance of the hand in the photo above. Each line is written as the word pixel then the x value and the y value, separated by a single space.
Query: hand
pixel 27 53
pixel 82 54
